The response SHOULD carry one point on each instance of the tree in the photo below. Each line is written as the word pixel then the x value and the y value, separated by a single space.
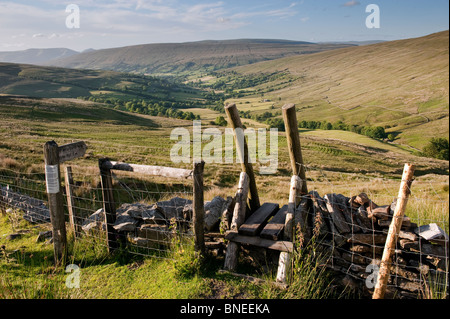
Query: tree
pixel 437 148
pixel 220 120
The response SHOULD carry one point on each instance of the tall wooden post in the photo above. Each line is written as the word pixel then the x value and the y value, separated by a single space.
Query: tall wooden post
pixel 109 205
pixel 285 257
pixel 394 229
pixel 198 208
pixel 70 201
pixel 233 116
pixel 231 257
pixel 293 142
pixel 55 201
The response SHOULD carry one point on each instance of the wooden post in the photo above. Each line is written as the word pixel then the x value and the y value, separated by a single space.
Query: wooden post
pixel 285 257
pixel 394 229
pixel 293 142
pixel 55 201
pixel 231 256
pixel 199 209
pixel 233 116
pixel 70 201
pixel 109 205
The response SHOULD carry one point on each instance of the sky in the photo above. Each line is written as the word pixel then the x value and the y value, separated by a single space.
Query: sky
pixel 116 23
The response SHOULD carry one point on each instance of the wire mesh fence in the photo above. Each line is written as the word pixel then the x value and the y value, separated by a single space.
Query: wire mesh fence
pixel 346 216
pixel 152 213
pixel 351 223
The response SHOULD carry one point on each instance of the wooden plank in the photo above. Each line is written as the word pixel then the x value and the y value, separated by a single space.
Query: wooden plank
pixel 73 220
pixel 283 246
pixel 289 224
pixel 242 151
pixel 256 222
pixel 293 142
pixel 274 228
pixel 71 151
pixel 240 208
pixel 149 169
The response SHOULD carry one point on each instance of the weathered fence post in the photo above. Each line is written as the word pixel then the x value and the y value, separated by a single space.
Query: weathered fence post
pixel 198 208
pixel 293 142
pixel 394 229
pixel 70 201
pixel 231 257
pixel 233 115
pixel 285 257
pixel 55 201
pixel 109 205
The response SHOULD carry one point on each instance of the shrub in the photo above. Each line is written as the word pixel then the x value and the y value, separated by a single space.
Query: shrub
pixel 437 148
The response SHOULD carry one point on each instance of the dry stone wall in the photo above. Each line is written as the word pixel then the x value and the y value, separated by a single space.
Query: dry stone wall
pixel 353 232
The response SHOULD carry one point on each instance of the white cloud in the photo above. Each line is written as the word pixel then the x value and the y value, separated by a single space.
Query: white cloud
pixel 304 19
pixel 280 13
pixel 351 3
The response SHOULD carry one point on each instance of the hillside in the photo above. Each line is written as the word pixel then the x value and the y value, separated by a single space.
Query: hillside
pixel 180 58
pixel 36 56
pixel 400 85
pixel 106 86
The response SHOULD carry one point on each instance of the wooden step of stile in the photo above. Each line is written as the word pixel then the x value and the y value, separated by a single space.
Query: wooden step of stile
pixel 256 222
pixel 274 228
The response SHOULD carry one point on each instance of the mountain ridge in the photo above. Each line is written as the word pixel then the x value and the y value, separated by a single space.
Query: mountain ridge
pixel 35 56
pixel 181 58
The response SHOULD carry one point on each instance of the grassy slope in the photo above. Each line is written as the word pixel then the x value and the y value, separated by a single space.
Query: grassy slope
pixel 53 82
pixel 189 57
pixel 26 124
pixel 402 84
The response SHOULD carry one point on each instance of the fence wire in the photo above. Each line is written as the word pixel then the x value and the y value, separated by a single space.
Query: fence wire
pixel 153 213
pixel 346 215
pixel 351 227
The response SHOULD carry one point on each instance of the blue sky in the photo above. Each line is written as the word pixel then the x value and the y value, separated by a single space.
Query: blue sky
pixel 105 24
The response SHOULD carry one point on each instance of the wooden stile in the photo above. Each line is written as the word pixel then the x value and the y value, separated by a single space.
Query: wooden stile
pixel 280 245
pixel 293 142
pixel 233 116
pixel 285 258
pixel 255 223
pixel 275 227
pixel 240 207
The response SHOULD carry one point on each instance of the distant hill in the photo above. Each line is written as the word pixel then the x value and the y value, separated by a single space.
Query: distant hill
pixel 401 85
pixel 36 56
pixel 181 58
pixel 54 82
